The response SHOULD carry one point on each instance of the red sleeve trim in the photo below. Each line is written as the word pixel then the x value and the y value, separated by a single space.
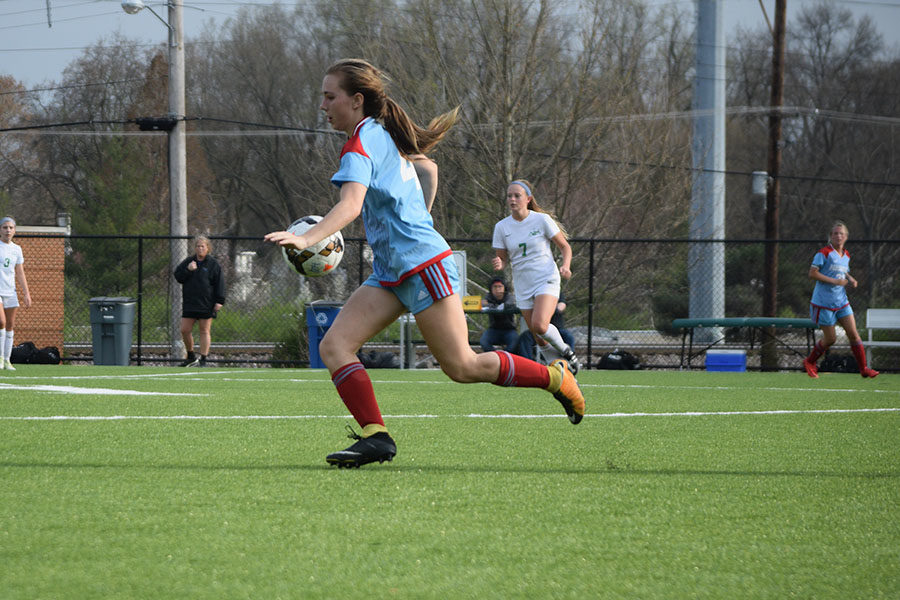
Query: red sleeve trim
pixel 355 146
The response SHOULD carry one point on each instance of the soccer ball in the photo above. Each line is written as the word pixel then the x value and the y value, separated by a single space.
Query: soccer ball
pixel 318 259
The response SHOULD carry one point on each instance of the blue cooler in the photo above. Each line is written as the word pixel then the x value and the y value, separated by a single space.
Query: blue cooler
pixel 726 360
pixel 319 317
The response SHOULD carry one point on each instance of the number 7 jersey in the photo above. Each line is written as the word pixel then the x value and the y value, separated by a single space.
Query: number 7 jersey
pixel 528 244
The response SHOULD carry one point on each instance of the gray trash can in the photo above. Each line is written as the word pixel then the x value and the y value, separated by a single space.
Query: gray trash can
pixel 112 321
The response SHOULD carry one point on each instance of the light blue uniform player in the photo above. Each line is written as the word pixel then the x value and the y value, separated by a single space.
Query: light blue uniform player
pixel 386 176
pixel 829 301
pixel 410 257
pixel 829 305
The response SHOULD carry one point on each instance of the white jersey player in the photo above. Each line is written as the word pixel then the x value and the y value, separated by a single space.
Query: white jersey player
pixel 11 270
pixel 523 240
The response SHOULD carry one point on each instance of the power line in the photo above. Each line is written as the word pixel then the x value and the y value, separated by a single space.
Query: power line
pixel 289 130
pixel 83 85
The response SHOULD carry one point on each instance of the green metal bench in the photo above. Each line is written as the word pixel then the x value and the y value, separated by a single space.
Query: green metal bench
pixel 752 324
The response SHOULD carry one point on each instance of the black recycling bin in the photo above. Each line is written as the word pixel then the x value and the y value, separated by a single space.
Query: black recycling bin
pixel 112 321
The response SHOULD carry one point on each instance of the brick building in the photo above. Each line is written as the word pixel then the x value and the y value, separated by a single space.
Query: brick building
pixel 45 271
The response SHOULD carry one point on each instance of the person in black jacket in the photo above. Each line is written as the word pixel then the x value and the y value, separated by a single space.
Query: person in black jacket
pixel 203 294
pixel 501 329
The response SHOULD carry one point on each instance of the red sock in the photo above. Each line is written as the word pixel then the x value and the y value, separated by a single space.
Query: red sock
pixel 518 371
pixel 817 351
pixel 355 389
pixel 859 352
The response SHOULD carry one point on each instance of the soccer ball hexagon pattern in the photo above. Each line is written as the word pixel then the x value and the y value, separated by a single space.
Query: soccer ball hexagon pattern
pixel 319 259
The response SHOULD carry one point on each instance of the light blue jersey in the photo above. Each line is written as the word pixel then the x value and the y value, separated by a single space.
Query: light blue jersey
pixel 831 264
pixel 398 226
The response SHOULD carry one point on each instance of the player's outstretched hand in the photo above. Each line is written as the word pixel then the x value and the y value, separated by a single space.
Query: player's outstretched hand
pixel 286 238
pixel 497 262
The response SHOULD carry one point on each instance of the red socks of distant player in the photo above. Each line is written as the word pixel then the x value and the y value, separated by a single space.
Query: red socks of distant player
pixel 817 351
pixel 517 371
pixel 355 389
pixel 859 352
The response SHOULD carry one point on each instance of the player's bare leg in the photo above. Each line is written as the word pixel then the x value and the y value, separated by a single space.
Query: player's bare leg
pixel 187 336
pixel 368 311
pixel 444 328
pixel 203 332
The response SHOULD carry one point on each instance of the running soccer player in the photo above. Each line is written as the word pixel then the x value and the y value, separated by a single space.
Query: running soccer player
pixel 382 166
pixel 523 240
pixel 11 269
pixel 829 304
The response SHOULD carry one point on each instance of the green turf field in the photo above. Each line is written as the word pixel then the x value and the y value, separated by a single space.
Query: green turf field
pixel 138 482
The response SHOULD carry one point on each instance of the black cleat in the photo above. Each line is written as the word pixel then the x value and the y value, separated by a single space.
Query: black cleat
pixel 570 357
pixel 377 447
pixel 190 361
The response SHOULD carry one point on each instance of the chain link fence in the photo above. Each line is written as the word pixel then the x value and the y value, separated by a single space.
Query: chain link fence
pixel 623 295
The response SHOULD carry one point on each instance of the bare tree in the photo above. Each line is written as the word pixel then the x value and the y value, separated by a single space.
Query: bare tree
pixel 265 69
pixel 16 163
pixel 841 139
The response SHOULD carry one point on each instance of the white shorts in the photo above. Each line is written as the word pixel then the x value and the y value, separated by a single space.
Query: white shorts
pixel 9 301
pixel 527 290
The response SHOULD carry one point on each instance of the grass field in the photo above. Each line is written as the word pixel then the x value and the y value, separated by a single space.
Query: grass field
pixel 138 482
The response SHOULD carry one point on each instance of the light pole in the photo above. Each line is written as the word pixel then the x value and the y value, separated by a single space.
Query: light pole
pixel 177 155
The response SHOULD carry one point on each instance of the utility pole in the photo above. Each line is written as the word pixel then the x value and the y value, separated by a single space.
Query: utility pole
pixel 177 166
pixel 174 125
pixel 769 357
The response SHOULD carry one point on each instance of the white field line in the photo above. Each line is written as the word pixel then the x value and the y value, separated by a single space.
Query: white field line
pixel 174 375
pixel 429 416
pixel 68 389
pixel 192 376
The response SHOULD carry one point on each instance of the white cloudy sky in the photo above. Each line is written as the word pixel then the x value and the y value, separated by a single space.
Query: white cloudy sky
pixel 34 53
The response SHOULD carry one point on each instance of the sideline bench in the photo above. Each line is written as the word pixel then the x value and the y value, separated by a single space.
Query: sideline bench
pixel 752 324
pixel 881 318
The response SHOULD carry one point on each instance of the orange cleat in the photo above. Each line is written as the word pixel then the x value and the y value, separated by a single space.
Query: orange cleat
pixel 569 394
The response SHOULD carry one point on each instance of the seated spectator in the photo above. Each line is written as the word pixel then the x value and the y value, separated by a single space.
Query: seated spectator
pixel 501 329
pixel 525 345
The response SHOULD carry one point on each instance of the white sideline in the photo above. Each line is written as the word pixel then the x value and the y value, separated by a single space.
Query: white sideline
pixel 324 378
pixel 68 389
pixel 427 416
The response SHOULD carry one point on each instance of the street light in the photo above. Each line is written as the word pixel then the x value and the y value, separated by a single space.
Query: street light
pixel 177 153
pixel 133 7
pixel 759 186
